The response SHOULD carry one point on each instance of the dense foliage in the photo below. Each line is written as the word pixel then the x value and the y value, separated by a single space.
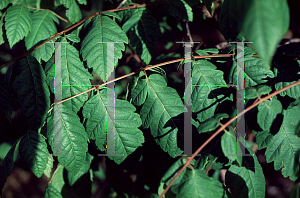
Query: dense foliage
pixel 149 107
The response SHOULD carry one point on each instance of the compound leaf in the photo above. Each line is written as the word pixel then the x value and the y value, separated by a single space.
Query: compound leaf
pixel 161 109
pixel 125 124
pixel 67 136
pixel 17 24
pixel 143 31
pixel 33 151
pixel 33 92
pixel 75 76
pixel 103 29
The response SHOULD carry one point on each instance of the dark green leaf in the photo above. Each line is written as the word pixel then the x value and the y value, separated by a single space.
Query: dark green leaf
pixel 179 8
pixel 33 151
pixel 33 92
pixel 267 112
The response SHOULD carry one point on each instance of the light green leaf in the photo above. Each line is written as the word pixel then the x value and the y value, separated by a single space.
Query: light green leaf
pixel 73 11
pixel 49 166
pixel 17 24
pixel 52 192
pixel 4 4
pixel 83 2
pixel 284 144
pixel 33 151
pixel 72 178
pixel 204 95
pixel 231 147
pixel 195 183
pixel 179 8
pixel 103 29
pixel 42 28
pixel 211 123
pixel 261 18
pixel 72 136
pixel 247 180
pixel 127 135
pixel 143 32
pixel 267 112
pixel 1 30
pixel 255 92
pixel 74 75
pixel 256 72
pixel 33 92
pixel 56 184
pixel 161 110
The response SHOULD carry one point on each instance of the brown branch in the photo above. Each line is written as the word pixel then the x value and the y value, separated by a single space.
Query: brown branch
pixel 221 129
pixel 208 168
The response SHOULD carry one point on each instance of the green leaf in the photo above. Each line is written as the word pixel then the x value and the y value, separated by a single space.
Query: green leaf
pixel 261 18
pixel 72 138
pixel 103 29
pixel 161 110
pixel 33 92
pixel 127 135
pixel 56 184
pixel 247 180
pixel 72 178
pixel 231 147
pixel 287 72
pixel 143 32
pixel 8 164
pixel 49 166
pixel 74 36
pixel 31 3
pixel 204 96
pixel 172 171
pixel 3 4
pixel 263 139
pixel 52 192
pixel 33 151
pixel 256 72
pixel 267 112
pixel 74 75
pixel 1 30
pixel 195 183
pixel 83 2
pixel 17 24
pixel 179 8
pixel 211 123
pixel 42 28
pixel 112 14
pixel 255 92
pixel 73 11
pixel 295 191
pixel 284 144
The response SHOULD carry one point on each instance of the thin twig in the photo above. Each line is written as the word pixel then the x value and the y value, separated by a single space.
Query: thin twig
pixel 221 129
pixel 188 32
pixel 65 20
pixel 208 168
pixel 121 4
